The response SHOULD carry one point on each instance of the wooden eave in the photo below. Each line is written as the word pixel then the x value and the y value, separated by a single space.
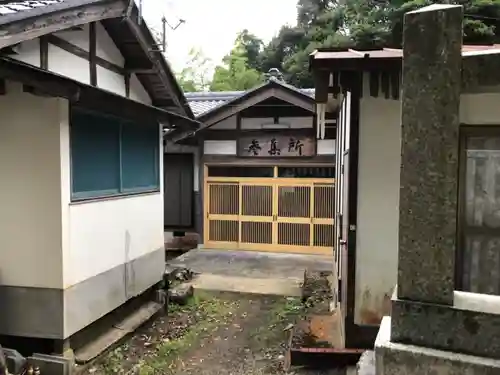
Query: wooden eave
pixel 132 38
pixel 341 70
pixel 271 89
pixel 43 82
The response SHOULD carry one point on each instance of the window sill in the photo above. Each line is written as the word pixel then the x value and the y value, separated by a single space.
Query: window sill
pixel 77 201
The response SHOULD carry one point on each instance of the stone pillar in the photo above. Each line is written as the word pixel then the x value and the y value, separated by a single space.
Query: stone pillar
pixel 430 330
pixel 432 59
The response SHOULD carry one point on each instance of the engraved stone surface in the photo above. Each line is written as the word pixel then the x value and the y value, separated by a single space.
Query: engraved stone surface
pixel 430 122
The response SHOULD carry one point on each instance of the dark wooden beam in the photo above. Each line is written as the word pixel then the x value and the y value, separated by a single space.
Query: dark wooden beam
pixel 31 24
pixel 44 52
pixel 39 79
pixel 146 43
pixel 80 52
pixel 164 103
pixel 137 67
pixel 36 91
pixel 93 53
pixel 143 71
pixel 127 84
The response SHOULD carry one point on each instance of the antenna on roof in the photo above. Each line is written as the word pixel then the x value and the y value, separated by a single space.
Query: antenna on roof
pixel 140 12
pixel 159 36
pixel 162 47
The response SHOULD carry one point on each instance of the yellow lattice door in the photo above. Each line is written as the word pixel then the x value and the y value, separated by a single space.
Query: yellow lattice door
pixel 322 219
pixel 270 214
pixel 293 219
pixel 222 215
pixel 256 216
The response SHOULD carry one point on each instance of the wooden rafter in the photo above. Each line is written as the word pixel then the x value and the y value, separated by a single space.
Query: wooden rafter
pixel 78 12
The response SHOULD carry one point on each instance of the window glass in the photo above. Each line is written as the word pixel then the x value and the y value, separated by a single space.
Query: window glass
pixel 95 156
pixel 306 172
pixel 110 156
pixel 140 146
pixel 480 207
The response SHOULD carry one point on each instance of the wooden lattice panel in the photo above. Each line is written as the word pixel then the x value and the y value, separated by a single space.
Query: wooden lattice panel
pixel 293 234
pixel 223 230
pixel 257 200
pixel 270 214
pixel 223 199
pixel 257 232
pixel 294 201
pixel 324 201
pixel 323 235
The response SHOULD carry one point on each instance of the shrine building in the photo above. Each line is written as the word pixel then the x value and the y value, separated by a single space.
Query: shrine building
pixel 258 174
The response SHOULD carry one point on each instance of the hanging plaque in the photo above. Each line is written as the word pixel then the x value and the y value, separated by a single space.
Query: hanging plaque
pixel 276 146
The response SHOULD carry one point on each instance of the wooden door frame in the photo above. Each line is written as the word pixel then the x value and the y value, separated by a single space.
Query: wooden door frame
pixel 356 336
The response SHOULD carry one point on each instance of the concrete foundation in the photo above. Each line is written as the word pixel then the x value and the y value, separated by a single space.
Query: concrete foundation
pixel 401 359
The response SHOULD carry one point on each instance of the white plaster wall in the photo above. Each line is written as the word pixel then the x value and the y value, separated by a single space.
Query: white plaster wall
pixel 293 122
pixel 110 81
pixel 378 194
pixel 137 91
pixel 30 192
pixel 229 123
pixel 29 52
pixel 79 38
pixel 220 147
pixel 378 207
pixel 325 146
pixel 106 48
pixel 480 109
pixel 102 234
pixel 77 68
pixel 69 65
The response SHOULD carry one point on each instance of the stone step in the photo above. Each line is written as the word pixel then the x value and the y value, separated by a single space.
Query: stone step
pixel 118 331
pixel 282 287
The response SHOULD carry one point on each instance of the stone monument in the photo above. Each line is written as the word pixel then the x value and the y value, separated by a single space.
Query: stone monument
pixel 434 329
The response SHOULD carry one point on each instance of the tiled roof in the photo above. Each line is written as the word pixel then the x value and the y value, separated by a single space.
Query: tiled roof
pixel 201 102
pixel 20 6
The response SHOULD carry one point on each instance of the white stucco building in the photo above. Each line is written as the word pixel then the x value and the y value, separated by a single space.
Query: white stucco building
pixel 83 101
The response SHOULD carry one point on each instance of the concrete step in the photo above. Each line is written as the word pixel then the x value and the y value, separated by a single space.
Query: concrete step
pixel 268 286
pixel 118 331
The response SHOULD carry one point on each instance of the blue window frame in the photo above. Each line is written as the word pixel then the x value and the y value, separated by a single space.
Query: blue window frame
pixel 110 156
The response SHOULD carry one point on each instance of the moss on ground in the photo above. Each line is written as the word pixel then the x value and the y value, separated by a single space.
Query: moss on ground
pixel 214 312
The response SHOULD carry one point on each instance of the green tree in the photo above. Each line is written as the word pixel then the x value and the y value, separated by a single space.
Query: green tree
pixel 481 19
pixel 235 74
pixel 253 47
pixel 362 24
pixel 195 76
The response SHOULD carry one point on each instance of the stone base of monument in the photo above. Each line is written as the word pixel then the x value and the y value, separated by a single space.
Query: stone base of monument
pixel 400 359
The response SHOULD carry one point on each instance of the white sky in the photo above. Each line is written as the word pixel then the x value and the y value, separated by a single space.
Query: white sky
pixel 212 25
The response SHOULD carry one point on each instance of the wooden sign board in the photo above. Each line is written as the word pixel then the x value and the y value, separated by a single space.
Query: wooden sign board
pixel 276 146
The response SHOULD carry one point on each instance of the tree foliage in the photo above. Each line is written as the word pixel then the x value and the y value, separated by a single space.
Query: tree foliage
pixel 361 24
pixel 196 75
pixel 237 72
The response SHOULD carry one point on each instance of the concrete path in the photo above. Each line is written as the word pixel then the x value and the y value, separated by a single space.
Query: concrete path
pixel 250 271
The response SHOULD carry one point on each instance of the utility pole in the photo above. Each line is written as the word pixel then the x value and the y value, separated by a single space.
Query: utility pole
pixel 162 46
